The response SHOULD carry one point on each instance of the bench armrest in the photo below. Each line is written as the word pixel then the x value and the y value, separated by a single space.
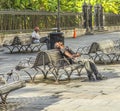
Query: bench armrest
pixel 61 62
pixel 26 62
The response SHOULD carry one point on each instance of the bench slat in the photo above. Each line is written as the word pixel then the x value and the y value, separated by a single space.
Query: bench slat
pixel 11 87
pixel 59 62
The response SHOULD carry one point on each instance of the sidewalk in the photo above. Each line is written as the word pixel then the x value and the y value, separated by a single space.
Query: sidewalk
pixel 76 95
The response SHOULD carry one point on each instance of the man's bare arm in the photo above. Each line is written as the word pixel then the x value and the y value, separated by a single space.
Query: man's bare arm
pixel 68 54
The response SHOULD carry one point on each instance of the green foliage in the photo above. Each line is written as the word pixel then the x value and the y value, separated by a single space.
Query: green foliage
pixel 112 6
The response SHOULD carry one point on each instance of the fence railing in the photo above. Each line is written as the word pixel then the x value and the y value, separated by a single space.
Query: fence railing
pixel 111 19
pixel 25 21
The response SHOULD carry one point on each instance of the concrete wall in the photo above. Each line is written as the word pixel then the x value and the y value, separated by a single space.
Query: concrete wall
pixel 67 33
pixel 112 28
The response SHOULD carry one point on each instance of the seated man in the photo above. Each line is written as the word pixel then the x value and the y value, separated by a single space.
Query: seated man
pixel 37 39
pixel 35 35
pixel 75 58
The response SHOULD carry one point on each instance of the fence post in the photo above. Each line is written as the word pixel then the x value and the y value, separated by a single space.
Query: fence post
pixel 87 17
pixel 101 16
pixel 84 10
pixel 96 17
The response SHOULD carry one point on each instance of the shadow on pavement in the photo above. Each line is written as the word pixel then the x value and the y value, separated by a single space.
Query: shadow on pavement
pixel 29 104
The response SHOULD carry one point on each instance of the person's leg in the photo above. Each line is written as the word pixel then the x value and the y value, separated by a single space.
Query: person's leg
pixel 90 67
pixel 89 70
pixel 94 70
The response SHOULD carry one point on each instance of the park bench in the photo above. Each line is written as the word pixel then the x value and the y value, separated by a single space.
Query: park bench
pixel 51 62
pixel 9 82
pixel 9 87
pixel 32 66
pixel 12 44
pixel 103 51
pixel 107 51
pixel 22 44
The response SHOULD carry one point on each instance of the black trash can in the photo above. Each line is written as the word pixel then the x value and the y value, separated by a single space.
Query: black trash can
pixel 55 37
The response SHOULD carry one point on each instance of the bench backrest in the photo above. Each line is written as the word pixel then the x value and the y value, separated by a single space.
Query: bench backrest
pixel 55 57
pixel 94 47
pixel 106 45
pixel 16 41
pixel 47 57
pixel 26 40
pixel 41 59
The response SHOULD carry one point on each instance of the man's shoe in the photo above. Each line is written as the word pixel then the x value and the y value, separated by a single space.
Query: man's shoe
pixel 91 78
pixel 99 76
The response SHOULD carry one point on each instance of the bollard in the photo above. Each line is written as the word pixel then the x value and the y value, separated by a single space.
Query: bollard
pixel 74 34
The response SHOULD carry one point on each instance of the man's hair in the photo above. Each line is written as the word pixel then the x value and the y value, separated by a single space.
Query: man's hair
pixel 36 28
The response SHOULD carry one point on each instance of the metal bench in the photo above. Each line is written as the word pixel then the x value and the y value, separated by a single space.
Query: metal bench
pixel 28 45
pixel 13 44
pixel 107 50
pixel 7 88
pixel 33 66
pixel 59 65
pixel 22 44
pixel 49 62
pixel 104 51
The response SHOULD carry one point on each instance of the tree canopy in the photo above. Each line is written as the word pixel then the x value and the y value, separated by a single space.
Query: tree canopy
pixel 111 6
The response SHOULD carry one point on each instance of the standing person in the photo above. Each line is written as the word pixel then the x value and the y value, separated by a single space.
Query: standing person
pixel 75 58
pixel 35 35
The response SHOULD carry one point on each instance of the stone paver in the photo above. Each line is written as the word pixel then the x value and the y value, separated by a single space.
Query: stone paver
pixel 76 95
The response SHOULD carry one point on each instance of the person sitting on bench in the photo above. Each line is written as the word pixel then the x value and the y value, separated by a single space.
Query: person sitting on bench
pixel 90 66
pixel 36 38
pixel 35 35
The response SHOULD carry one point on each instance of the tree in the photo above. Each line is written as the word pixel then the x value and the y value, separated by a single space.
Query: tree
pixel 112 6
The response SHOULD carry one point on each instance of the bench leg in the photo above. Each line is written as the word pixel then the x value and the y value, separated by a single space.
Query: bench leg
pixel 10 49
pixel 44 71
pixel 79 71
pixel 68 74
pixel 31 78
pixel 54 72
pixel 4 98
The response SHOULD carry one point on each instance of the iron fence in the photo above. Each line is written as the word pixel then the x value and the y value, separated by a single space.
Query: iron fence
pixel 11 20
pixel 111 19
pixel 25 21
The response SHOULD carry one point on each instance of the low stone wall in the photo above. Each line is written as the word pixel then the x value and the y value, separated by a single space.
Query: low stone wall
pixel 112 28
pixel 67 33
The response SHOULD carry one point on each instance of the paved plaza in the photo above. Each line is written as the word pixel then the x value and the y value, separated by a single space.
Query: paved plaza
pixel 75 95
